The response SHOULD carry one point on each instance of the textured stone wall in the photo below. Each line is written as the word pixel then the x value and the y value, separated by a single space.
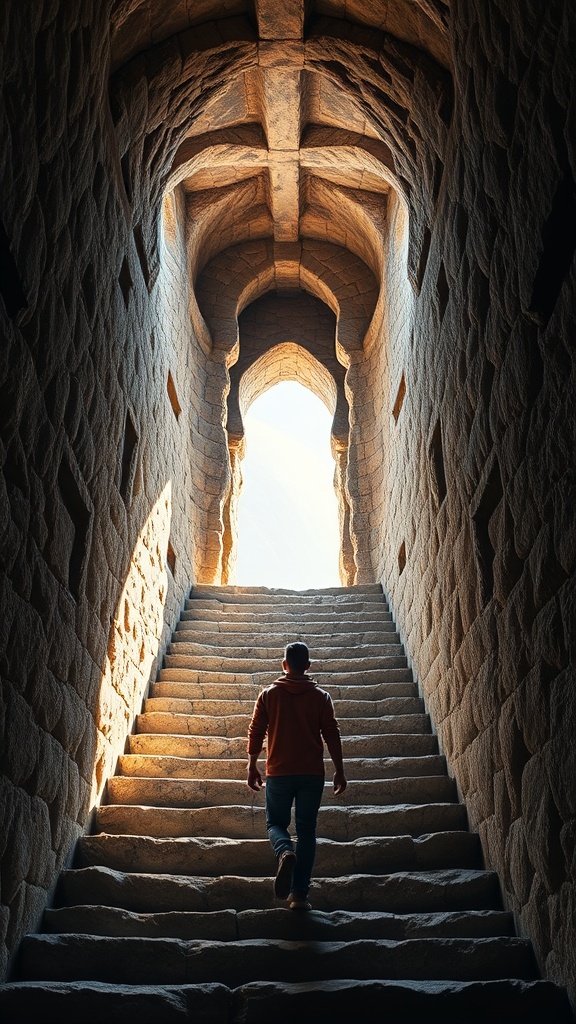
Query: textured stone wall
pixel 101 428
pixel 478 432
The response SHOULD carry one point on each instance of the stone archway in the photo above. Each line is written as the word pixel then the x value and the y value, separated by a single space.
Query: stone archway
pixel 288 361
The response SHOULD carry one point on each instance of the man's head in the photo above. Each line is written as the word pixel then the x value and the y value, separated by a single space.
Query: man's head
pixel 296 658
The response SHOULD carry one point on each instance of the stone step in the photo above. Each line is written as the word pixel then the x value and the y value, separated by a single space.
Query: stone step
pixel 229 925
pixel 237 725
pixel 247 691
pixel 402 892
pixel 506 1001
pixel 188 644
pixel 154 766
pixel 259 679
pixel 253 857
pixel 159 792
pixel 182 745
pixel 177 888
pixel 236 590
pixel 242 822
pixel 216 663
pixel 76 957
pixel 239 620
pixel 304 609
pixel 345 709
pixel 262 600
pixel 329 633
pixel 208 793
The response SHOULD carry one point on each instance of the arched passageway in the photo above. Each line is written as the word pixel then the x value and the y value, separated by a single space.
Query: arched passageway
pixel 288 532
pixel 185 186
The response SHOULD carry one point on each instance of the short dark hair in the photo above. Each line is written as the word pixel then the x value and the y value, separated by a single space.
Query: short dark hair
pixel 297 656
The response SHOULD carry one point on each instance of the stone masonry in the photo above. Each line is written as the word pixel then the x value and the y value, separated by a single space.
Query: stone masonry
pixel 377 199
pixel 168 911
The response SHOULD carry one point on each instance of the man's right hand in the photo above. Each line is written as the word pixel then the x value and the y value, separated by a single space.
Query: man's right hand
pixel 340 782
pixel 254 779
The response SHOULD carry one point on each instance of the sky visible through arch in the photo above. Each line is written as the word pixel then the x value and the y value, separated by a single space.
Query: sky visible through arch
pixel 288 515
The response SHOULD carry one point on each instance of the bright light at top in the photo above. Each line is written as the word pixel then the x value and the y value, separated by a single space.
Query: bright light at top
pixel 288 532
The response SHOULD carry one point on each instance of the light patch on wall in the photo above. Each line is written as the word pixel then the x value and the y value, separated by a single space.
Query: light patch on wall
pixel 133 642
pixel 288 533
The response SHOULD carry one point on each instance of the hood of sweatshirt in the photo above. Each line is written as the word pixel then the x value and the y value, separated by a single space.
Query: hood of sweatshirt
pixel 296 684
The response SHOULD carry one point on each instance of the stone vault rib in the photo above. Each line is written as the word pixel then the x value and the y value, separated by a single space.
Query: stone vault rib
pixel 168 914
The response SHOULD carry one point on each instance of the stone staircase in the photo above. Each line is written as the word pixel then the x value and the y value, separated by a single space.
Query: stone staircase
pixel 168 914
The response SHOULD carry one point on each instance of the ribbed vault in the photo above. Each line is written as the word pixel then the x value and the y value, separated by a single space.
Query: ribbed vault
pixel 283 130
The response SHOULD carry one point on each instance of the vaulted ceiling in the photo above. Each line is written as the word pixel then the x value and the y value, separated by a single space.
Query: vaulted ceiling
pixel 294 119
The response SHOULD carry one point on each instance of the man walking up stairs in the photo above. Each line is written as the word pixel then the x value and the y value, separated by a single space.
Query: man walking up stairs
pixel 168 914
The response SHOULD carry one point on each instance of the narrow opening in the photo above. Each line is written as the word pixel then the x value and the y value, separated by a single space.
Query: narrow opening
pixel 173 396
pixel 128 464
pixel 422 262
pixel 171 559
pixel 442 290
pixel 559 245
pixel 125 281
pixel 437 464
pixel 399 398
pixel 142 254
pixel 288 532
pixel 402 558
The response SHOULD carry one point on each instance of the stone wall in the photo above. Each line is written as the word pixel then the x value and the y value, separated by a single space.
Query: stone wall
pixel 477 417
pixel 101 428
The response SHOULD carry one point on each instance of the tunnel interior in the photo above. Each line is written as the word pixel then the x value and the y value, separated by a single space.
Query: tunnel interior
pixel 376 200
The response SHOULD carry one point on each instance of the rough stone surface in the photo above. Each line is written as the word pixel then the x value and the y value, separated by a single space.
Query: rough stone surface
pixel 172 911
pixel 175 178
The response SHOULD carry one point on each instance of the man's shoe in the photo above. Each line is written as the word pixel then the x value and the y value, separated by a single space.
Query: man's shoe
pixel 298 902
pixel 283 879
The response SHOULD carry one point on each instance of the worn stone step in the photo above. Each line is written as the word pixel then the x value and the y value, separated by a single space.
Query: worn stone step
pixel 221 925
pixel 247 691
pixel 237 725
pixel 276 640
pixel 238 590
pixel 229 925
pixel 162 766
pixel 502 1001
pixel 254 858
pixel 401 892
pixel 366 677
pixel 301 610
pixel 95 1002
pixel 330 632
pixel 263 599
pixel 76 957
pixel 181 745
pixel 241 822
pixel 160 792
pixel 507 1001
pixel 264 653
pixel 316 621
pixel 344 708
pixel 330 666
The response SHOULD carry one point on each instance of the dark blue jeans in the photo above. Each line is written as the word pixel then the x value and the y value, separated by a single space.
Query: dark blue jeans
pixel 306 792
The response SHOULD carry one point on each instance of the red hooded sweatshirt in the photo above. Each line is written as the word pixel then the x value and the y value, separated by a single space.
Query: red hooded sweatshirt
pixel 297 715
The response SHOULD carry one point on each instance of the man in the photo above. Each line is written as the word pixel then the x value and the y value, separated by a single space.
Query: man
pixel 297 716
